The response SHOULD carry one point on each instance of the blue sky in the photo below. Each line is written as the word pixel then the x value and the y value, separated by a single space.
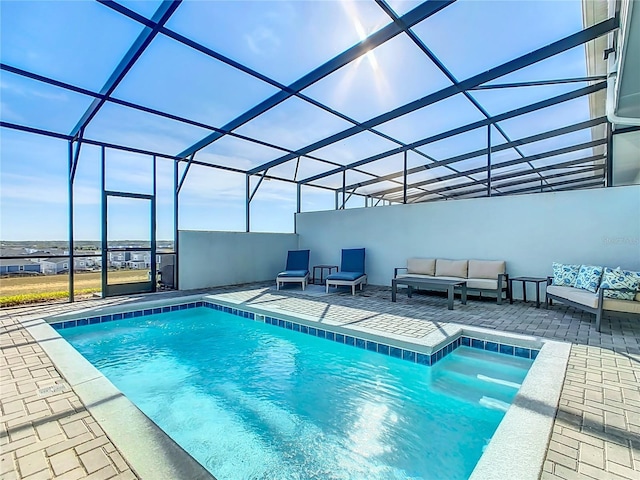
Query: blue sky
pixel 81 42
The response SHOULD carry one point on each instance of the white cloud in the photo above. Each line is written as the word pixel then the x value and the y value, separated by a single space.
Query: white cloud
pixel 9 114
pixel 27 91
pixel 44 191
pixel 262 40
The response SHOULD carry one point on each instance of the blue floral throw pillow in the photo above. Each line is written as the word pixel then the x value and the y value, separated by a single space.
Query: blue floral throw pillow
pixel 565 275
pixel 589 278
pixel 624 284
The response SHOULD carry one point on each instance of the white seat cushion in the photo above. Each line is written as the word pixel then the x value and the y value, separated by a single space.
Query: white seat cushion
pixel 484 283
pixel 443 277
pixel 628 306
pixel 583 297
pixel 413 275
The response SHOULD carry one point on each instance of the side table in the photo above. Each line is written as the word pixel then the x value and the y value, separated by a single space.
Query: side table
pixel 524 280
pixel 322 268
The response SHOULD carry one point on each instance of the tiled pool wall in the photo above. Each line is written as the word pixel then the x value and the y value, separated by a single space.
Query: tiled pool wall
pixel 382 348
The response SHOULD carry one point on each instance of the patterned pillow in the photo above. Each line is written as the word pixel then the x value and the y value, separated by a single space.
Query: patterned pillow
pixel 620 279
pixel 589 278
pixel 565 275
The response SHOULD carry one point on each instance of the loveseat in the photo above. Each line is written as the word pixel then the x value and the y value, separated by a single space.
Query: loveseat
pixel 595 289
pixel 488 276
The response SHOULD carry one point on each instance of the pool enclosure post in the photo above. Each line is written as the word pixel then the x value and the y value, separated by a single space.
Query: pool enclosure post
pixel 154 225
pixel 103 222
pixel 404 179
pixel 250 195
pixel 70 189
pixel 176 196
pixel 247 206
pixel 298 205
pixel 489 160
pixel 609 159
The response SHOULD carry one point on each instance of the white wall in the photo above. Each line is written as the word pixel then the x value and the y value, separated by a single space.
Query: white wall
pixel 209 259
pixel 530 232
pixel 626 155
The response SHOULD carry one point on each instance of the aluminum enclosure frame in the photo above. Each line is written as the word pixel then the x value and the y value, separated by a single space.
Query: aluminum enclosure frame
pixel 593 166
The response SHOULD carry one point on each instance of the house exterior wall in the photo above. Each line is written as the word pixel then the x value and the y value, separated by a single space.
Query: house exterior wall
pixel 48 267
pixel 530 232
pixel 20 268
pixel 208 259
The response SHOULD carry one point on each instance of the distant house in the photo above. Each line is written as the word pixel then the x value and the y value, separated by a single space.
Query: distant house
pixel 83 263
pixel 119 259
pixel 17 266
pixel 140 260
pixel 51 266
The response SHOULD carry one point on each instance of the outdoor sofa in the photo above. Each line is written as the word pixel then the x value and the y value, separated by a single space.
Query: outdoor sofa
pixel 595 289
pixel 484 276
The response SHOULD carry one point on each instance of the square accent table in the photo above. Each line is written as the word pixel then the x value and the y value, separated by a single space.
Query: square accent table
pixel 524 280
pixel 430 284
pixel 322 268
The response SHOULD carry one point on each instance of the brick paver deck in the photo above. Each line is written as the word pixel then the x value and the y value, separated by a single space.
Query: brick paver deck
pixel 46 432
pixel 596 435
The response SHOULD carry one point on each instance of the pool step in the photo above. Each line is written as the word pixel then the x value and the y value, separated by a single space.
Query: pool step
pixel 474 378
pixel 500 368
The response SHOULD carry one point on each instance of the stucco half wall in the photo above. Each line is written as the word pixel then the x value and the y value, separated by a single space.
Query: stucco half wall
pixel 530 232
pixel 211 259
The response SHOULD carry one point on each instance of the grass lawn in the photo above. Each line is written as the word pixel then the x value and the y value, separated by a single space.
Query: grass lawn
pixel 55 286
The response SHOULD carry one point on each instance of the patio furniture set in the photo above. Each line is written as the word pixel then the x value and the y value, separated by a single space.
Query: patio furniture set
pixel 595 289
pixel 351 271
pixel 589 288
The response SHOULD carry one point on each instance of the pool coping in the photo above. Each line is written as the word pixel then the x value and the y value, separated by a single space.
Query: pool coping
pixel 516 450
pixel 150 452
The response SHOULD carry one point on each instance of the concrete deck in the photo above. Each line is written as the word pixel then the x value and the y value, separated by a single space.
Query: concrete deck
pixel 46 432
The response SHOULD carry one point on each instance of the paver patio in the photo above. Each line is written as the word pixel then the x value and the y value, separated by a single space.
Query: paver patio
pixel 46 432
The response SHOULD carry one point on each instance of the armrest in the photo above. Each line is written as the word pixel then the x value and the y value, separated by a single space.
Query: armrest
pixel 549 280
pixel 395 271
pixel 503 277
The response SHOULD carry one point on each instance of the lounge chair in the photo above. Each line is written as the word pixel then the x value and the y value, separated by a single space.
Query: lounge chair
pixel 351 270
pixel 297 269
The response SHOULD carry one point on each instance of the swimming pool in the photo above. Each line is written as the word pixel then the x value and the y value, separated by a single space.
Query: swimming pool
pixel 252 401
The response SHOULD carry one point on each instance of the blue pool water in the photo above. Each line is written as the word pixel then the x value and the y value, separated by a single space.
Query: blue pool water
pixel 253 401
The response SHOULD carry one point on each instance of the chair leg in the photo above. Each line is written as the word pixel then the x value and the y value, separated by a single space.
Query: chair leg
pixel 327 284
pixel 277 285
pixel 353 289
